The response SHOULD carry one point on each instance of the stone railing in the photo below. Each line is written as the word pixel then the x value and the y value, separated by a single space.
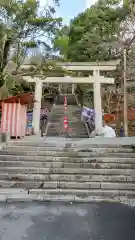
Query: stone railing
pixel 4 138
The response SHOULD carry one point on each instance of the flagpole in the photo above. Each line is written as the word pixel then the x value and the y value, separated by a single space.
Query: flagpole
pixel 125 94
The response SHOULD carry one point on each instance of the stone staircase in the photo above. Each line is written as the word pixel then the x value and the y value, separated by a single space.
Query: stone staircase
pixel 60 170
pixel 76 127
pixel 55 122
pixel 55 126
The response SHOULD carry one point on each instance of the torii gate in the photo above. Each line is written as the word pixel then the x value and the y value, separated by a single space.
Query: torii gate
pixel 96 79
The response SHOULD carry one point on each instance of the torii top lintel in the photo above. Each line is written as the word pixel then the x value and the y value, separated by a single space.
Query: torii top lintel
pixel 86 66
pixel 79 66
pixel 90 66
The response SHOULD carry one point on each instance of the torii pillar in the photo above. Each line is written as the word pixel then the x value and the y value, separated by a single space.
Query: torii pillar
pixel 97 81
pixel 37 104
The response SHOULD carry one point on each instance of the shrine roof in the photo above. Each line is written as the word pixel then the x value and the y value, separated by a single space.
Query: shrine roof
pixel 23 99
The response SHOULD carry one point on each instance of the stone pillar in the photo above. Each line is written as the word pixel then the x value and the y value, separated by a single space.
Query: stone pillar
pixel 37 106
pixel 97 102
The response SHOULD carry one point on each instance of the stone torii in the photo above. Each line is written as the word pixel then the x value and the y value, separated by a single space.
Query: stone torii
pixel 96 79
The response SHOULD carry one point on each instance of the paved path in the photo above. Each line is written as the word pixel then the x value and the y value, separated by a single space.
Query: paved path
pixel 57 221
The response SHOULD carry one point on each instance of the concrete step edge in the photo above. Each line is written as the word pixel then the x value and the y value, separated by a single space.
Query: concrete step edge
pixel 84 192
pixel 22 191
pixel 66 178
pixel 126 197
pixel 45 170
pixel 61 164
pixel 47 142
pixel 66 159
pixel 69 199
pixel 65 185
pixel 67 153
pixel 70 149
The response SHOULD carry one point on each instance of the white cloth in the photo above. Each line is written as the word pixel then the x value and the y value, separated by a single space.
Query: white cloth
pixel 108 132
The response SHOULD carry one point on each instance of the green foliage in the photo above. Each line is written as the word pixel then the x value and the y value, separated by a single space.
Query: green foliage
pixel 93 32
pixel 61 42
pixel 22 24
pixel 99 34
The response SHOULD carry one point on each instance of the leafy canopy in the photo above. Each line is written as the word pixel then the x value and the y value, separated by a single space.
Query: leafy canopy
pixel 24 26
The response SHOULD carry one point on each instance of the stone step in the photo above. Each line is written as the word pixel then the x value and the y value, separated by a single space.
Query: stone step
pixel 67 185
pixel 74 136
pixel 71 131
pixel 12 191
pixel 70 149
pixel 67 177
pixel 98 171
pixel 57 164
pixel 85 193
pixel 75 128
pixel 67 159
pixel 70 112
pixel 39 143
pixel 55 124
pixel 57 115
pixel 126 197
pixel 54 129
pixel 65 153
pixel 80 129
pixel 73 145
pixel 54 120
pixel 76 123
pixel 73 123
pixel 78 136
pixel 77 133
pixel 86 144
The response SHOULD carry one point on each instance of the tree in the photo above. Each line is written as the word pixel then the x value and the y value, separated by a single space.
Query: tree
pixel 93 32
pixel 23 25
pixel 61 41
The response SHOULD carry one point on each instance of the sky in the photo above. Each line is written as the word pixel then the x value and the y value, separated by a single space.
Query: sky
pixel 70 8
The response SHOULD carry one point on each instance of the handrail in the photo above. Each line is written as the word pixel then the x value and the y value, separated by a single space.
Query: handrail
pixel 87 128
pixel 78 104
pixel 48 122
pixel 85 123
